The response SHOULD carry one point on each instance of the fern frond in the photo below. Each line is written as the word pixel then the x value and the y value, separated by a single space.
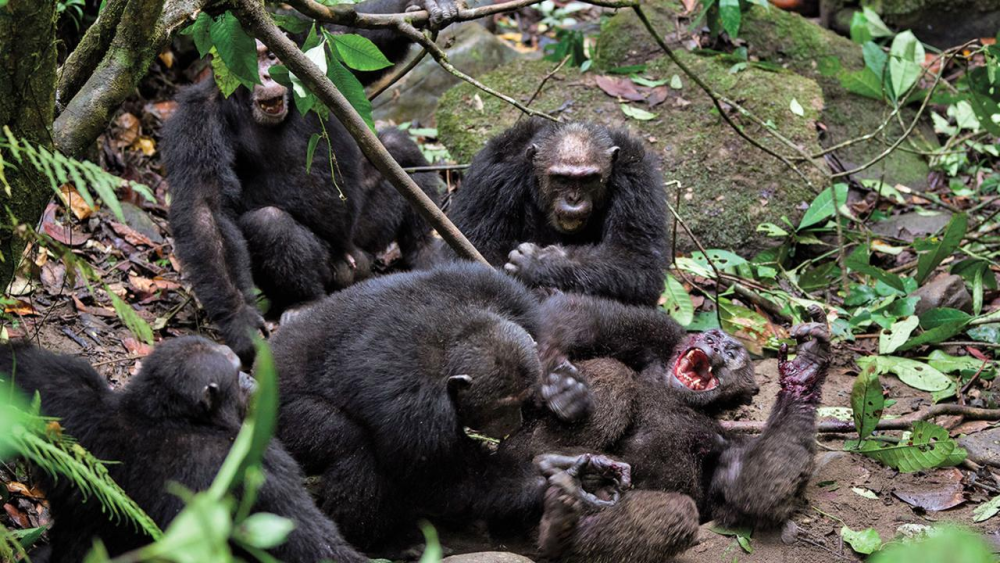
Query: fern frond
pixel 87 177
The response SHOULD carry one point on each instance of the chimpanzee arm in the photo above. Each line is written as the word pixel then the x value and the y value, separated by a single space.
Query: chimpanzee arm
pixel 67 385
pixel 629 262
pixel 758 481
pixel 203 188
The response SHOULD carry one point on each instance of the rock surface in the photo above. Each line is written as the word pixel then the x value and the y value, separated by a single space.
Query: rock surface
pixel 487 557
pixel 946 290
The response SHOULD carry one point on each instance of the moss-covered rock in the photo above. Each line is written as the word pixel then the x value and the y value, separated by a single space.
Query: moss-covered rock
pixel 727 186
pixel 624 40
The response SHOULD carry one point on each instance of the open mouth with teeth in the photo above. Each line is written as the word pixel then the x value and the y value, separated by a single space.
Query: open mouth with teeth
pixel 272 106
pixel 694 370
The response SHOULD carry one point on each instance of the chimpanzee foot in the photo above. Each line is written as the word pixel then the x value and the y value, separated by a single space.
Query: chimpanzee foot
pixel 565 392
pixel 805 374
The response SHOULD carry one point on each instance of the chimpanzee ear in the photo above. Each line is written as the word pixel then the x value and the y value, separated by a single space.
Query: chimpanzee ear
pixel 532 151
pixel 458 383
pixel 613 153
pixel 210 397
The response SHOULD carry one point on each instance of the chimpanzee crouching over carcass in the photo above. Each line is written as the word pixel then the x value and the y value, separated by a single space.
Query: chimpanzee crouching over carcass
pixel 246 207
pixel 578 207
pixel 643 401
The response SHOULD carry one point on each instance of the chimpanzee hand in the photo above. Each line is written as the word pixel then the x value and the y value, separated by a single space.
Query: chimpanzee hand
pixel 238 331
pixel 805 374
pixel 565 392
pixel 441 12
pixel 529 262
pixel 574 475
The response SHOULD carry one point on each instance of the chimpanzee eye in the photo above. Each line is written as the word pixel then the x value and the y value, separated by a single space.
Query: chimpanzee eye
pixel 271 56
pixel 731 355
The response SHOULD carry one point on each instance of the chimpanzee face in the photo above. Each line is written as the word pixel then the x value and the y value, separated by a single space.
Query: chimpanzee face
pixel 712 368
pixel 572 167
pixel 269 100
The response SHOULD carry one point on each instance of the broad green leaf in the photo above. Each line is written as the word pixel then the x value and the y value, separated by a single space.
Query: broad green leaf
pixel 938 316
pixel 943 544
pixel 890 340
pixel 935 335
pixel 237 49
pixel 865 493
pixel 865 541
pixel 867 401
pixel 139 327
pixel 200 33
pixel 358 52
pixel 916 374
pixel 875 57
pixel 432 551
pixel 721 258
pixel 843 414
pixel 290 23
pixel 986 510
pixel 311 150
pixel 947 243
pixel 742 535
pixel 224 79
pixel 819 277
pixel 677 302
pixel 264 531
pixel 636 113
pixel 200 532
pixel 689 265
pixel 772 230
pixel 858 262
pixel 796 108
pixel 351 88
pixel 905 59
pixel 729 13
pixel 989 333
pixel 863 82
pixel 859 28
pixel 823 206
pixel 928 446
pixel 675 82
pixel 647 82
pixel 747 325
pixel 949 364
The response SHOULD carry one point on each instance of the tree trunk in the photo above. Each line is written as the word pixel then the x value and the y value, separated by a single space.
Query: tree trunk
pixel 27 106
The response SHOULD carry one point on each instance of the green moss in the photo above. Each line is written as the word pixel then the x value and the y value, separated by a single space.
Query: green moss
pixel 727 186
pixel 625 41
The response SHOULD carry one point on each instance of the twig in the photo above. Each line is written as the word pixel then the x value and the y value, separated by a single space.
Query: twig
pixel 390 79
pixel 901 423
pixel 546 79
pixel 718 276
pixel 973 379
pixel 345 14
pixel 435 168
pixel 252 15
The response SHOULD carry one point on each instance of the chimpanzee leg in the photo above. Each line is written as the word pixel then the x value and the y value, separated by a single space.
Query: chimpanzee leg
pixel 760 481
pixel 290 264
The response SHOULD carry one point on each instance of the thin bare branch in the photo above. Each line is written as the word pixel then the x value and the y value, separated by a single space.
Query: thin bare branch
pixel 901 423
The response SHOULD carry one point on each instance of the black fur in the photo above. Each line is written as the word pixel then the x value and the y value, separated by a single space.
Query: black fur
pixel 366 400
pixel 623 250
pixel 160 429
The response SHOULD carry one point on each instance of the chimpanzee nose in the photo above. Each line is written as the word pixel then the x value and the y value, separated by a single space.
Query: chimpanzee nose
pixel 573 198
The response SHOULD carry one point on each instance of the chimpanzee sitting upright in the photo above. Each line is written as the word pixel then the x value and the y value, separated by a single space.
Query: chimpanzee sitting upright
pixel 575 206
pixel 244 209
pixel 175 421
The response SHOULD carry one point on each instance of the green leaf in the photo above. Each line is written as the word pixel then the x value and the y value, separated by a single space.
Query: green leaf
pixel 876 27
pixel 822 207
pixel 935 335
pixel 796 108
pixel 865 541
pixel 828 66
pixel 949 364
pixel 943 543
pixel 358 52
pixel 433 552
pixel 130 318
pixel 905 62
pixel 860 33
pixel 351 88
pixel 863 82
pixel 875 57
pixel 911 372
pixel 636 113
pixel 237 49
pixel 630 69
pixel 677 302
pixel 987 510
pixel 290 23
pixel 858 262
pixel 867 402
pixel 772 230
pixel 948 243
pixel 938 316
pixel 729 13
pixel 675 82
pixel 311 150
pixel 200 33
pixel 264 531
pixel 647 82
pixel 721 258
pixel 224 79
pixel 865 493
pixel 890 340
pixel 928 446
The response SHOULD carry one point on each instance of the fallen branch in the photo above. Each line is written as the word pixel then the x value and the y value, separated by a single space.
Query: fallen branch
pixel 901 423
pixel 253 17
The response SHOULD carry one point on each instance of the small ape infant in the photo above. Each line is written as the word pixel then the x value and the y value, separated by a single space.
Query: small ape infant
pixel 175 421
pixel 578 207
pixel 644 403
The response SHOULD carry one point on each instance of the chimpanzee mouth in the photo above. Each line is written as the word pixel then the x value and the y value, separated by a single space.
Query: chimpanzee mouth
pixel 272 106
pixel 694 370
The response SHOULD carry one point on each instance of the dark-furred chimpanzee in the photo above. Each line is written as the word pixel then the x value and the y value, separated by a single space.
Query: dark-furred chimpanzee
pixel 685 467
pixel 380 381
pixel 578 207
pixel 175 421
pixel 245 210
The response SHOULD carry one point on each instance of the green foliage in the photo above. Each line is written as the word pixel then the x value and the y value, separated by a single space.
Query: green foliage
pixel 725 15
pixel 865 541
pixel 944 543
pixel 88 178
pixel 136 324
pixel 939 248
pixel 358 52
pixel 823 207
pixel 742 536
pixel 927 446
pixel 867 402
pixel 677 302
pixel 236 48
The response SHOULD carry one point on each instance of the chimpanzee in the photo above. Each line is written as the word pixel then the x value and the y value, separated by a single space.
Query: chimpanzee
pixel 654 424
pixel 244 209
pixel 175 421
pixel 379 383
pixel 578 207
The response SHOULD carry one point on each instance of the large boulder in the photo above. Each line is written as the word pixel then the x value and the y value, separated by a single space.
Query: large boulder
pixel 942 23
pixel 727 186
pixel 798 44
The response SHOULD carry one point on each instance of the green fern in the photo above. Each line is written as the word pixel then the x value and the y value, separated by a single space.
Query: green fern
pixel 60 169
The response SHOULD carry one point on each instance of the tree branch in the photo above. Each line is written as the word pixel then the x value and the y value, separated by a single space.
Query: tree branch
pixel 253 17
pixel 80 64
pixel 901 423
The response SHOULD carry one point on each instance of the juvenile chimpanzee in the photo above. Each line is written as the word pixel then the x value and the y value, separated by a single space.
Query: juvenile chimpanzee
pixel 174 422
pixel 245 210
pixel 686 468
pixel 379 383
pixel 577 206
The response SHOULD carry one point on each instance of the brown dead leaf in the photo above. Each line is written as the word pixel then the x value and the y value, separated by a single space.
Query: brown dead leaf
pixel 136 348
pixel 657 96
pixel 619 88
pixel 74 201
pixel 62 233
pixel 19 517
pixel 21 489
pixel 162 110
pixel 936 491
pixel 98 311
pixel 127 126
pixel 689 5
pixel 147 286
pixel 145 144
pixel 53 277
pixel 971 427
pixel 167 58
pixel 130 235
pixel 20 308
